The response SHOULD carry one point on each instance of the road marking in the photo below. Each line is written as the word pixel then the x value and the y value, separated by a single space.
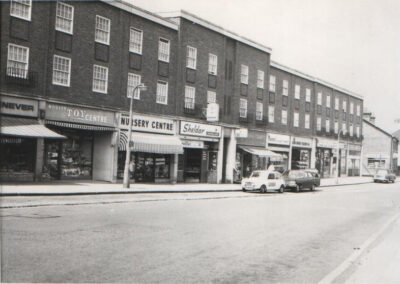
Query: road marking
pixel 351 259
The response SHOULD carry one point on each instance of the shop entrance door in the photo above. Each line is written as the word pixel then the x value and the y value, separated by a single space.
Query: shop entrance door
pixel 192 168
pixel 144 167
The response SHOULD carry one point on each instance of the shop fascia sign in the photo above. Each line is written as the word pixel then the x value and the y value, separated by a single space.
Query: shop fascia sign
pixel 77 114
pixel 148 124
pixel 331 144
pixel 241 133
pixel 213 112
pixel 18 106
pixel 199 129
pixel 278 139
pixel 192 144
pixel 301 142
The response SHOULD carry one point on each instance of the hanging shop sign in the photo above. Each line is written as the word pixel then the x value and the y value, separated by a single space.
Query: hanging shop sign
pixel 213 112
pixel 82 115
pixel 301 142
pixel 278 139
pixel 18 106
pixel 148 124
pixel 199 129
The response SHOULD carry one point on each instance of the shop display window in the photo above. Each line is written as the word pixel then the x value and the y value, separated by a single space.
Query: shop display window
pixel 17 157
pixel 162 166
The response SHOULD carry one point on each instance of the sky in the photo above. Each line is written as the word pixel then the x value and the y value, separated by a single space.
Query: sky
pixel 354 44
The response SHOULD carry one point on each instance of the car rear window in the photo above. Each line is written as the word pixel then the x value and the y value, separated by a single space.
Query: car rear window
pixel 382 172
pixel 296 174
pixel 255 174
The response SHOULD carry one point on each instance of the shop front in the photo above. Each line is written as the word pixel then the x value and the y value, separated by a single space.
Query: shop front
pixel 21 138
pixel 154 149
pixel 88 153
pixel 324 156
pixel 354 160
pixel 301 153
pixel 280 144
pixel 199 161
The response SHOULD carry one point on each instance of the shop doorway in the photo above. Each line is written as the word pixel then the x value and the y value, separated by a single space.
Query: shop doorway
pixel 300 159
pixel 192 165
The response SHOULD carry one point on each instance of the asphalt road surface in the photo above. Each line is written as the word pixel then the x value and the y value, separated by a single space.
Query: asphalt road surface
pixel 192 238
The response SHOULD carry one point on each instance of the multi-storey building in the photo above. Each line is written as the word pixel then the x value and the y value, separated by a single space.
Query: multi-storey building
pixel 215 107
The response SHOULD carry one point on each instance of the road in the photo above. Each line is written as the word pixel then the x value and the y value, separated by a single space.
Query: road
pixel 192 238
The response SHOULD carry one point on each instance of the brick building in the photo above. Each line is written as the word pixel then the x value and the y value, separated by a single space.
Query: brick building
pixel 215 109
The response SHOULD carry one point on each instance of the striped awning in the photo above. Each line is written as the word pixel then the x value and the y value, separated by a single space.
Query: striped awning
pixel 26 127
pixel 80 126
pixel 151 143
pixel 261 152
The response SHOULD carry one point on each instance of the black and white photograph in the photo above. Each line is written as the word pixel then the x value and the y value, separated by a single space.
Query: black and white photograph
pixel 213 141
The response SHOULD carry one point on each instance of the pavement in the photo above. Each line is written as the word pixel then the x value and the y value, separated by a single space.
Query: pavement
pixel 95 187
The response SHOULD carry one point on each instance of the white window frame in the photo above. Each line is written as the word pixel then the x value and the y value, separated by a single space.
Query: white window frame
pixel 272 83
pixel 308 95
pixel 260 79
pixel 319 123
pixel 358 131
pixel 259 110
pixel 285 88
pixel 297 91
pixel 336 127
pixel 190 97
pixel 319 98
pixel 63 18
pixel 243 108
pixel 17 61
pixel 26 3
pixel 94 87
pixel 191 57
pixel 162 98
pixel 135 42
pixel 351 108
pixel 244 74
pixel 327 125
pixel 100 29
pixel 351 130
pixel 296 119
pixel 163 49
pixel 133 81
pixel 271 114
pixel 328 101
pixel 344 105
pixel 307 121
pixel 344 128
pixel 284 117
pixel 336 103
pixel 212 64
pixel 358 110
pixel 68 72
pixel 211 97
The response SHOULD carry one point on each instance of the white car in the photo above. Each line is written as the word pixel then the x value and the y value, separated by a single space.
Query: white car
pixel 264 181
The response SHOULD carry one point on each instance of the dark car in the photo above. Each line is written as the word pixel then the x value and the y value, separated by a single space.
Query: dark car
pixel 384 175
pixel 316 176
pixel 299 179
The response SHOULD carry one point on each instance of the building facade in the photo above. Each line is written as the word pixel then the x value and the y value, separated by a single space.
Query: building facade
pixel 215 109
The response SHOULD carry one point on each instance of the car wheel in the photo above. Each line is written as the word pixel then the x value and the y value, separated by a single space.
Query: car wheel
pixel 263 188
pixel 281 189
pixel 312 187
pixel 243 189
pixel 297 188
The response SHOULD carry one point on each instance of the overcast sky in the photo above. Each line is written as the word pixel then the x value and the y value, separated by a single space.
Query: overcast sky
pixel 351 43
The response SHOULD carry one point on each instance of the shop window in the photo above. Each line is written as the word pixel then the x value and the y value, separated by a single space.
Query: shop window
pixel 17 158
pixel 162 166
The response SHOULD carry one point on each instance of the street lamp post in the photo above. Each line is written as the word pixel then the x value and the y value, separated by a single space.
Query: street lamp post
pixel 128 147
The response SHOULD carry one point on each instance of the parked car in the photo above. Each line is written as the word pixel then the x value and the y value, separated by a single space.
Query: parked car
pixel 384 175
pixel 264 181
pixel 299 179
pixel 316 176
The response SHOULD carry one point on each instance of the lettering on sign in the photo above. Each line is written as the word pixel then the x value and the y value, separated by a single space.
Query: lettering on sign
pixel 199 129
pixel 148 124
pixel 18 106
pixel 278 139
pixel 80 115
pixel 303 142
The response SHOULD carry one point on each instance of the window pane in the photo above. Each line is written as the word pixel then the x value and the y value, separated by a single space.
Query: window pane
pixel 135 41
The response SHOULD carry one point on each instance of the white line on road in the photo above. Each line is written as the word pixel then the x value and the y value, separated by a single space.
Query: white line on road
pixel 350 260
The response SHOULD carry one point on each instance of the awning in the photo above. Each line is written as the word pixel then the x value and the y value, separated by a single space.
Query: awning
pixel 151 143
pixel 26 127
pixel 261 152
pixel 80 126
